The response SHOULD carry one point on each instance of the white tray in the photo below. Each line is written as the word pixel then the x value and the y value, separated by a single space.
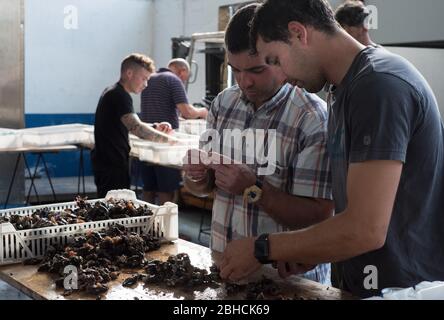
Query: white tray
pixel 166 154
pixel 10 138
pixel 163 155
pixel 196 126
pixel 56 135
pixel 18 245
pixel 89 136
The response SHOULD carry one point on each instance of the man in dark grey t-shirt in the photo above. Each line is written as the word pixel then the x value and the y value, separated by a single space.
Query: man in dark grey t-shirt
pixel 385 110
pixel 386 140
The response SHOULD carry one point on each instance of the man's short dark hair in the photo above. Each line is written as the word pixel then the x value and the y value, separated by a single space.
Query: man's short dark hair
pixel 137 60
pixel 272 18
pixel 237 33
pixel 352 13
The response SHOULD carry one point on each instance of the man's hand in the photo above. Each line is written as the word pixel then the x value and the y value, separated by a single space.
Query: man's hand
pixel 238 260
pixel 146 131
pixel 164 127
pixel 286 269
pixel 194 166
pixel 233 178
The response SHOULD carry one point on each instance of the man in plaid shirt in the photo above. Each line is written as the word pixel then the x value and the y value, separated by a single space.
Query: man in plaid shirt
pixel 297 193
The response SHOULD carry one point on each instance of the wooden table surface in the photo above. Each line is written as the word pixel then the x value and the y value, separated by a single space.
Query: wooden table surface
pixel 40 285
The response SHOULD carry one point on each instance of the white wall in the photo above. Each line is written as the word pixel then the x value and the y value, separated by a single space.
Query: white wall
pixel 67 70
pixel 401 21
pixel 430 62
pixel 174 18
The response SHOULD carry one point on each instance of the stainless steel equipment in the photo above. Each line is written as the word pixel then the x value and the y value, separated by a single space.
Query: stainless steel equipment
pixel 11 90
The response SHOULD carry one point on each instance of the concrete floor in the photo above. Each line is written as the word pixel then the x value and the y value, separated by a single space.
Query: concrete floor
pixel 189 219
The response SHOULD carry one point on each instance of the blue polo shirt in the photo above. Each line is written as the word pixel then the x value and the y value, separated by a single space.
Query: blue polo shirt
pixel 159 99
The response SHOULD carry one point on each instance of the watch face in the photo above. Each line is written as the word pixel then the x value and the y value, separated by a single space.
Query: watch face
pixel 261 249
pixel 252 194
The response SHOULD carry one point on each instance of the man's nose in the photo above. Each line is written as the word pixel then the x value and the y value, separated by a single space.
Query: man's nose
pixel 245 81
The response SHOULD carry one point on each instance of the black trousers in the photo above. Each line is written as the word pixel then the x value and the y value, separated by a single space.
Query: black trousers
pixel 111 178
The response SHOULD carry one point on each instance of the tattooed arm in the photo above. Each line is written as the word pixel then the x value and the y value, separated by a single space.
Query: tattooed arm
pixel 144 130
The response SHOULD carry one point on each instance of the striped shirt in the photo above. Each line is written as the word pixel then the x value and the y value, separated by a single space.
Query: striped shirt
pixel 302 163
pixel 159 99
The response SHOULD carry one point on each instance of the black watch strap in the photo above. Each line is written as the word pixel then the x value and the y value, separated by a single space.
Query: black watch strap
pixel 262 249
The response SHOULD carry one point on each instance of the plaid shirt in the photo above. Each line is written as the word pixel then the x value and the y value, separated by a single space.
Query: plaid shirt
pixel 302 164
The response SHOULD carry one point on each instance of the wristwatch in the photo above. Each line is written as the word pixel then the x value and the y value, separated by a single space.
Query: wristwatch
pixel 262 249
pixel 254 193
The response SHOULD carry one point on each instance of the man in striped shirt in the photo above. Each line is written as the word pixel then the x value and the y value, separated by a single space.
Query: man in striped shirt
pixel 162 101
pixel 297 193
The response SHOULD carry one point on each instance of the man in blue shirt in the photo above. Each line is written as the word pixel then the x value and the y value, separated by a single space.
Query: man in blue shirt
pixel 162 101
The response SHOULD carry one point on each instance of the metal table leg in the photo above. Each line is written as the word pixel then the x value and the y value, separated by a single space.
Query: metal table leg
pixel 81 173
pixel 32 186
pixel 49 177
pixel 17 161
pixel 137 175
pixel 32 177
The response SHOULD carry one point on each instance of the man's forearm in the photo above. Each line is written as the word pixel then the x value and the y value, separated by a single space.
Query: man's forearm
pixel 335 239
pixel 362 227
pixel 293 211
pixel 192 112
pixel 144 131
pixel 202 187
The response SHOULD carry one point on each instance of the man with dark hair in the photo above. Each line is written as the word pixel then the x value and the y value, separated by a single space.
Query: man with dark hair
pixel 296 193
pixel 161 101
pixel 352 15
pixel 114 118
pixel 386 143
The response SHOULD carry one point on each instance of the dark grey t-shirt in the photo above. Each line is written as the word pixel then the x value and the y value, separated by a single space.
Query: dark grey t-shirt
pixel 385 110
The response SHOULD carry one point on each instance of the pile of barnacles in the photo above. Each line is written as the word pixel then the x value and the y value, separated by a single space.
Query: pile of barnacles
pixel 177 271
pixel 259 290
pixel 98 257
pixel 85 212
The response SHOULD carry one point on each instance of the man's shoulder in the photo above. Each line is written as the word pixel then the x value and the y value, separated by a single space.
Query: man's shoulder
pixel 115 98
pixel 307 103
pixel 116 90
pixel 165 75
pixel 384 70
pixel 225 100
pixel 230 93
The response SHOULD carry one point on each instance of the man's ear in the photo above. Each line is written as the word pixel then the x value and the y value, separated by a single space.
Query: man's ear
pixel 298 32
pixel 129 73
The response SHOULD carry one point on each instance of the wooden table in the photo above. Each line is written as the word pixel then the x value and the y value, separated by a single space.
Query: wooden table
pixel 40 285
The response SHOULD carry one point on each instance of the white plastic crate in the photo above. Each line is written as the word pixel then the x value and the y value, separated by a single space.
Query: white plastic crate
pixel 132 141
pixel 164 153
pixel 193 126
pixel 10 138
pixel 56 135
pixel 19 245
pixel 89 141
